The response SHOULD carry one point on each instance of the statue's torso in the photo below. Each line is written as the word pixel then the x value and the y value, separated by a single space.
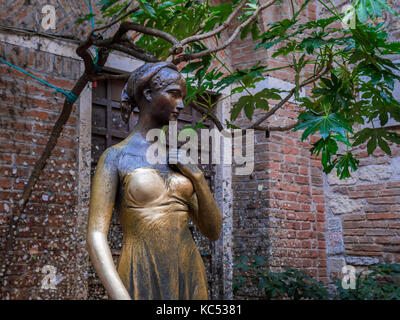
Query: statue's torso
pixel 159 259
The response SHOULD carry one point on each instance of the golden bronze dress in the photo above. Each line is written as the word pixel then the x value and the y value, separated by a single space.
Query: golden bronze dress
pixel 159 259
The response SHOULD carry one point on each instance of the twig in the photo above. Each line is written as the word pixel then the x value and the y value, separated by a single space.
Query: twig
pixel 187 57
pixel 273 110
pixel 205 112
pixel 134 9
pixel 218 30
pixel 284 100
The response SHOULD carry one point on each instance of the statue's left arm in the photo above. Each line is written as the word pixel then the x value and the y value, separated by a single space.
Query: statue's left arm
pixel 205 212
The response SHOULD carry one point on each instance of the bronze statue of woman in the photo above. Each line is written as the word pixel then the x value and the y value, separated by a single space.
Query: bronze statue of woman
pixel 159 259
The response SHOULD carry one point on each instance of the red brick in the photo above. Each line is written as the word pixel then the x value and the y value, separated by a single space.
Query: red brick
pixel 381 216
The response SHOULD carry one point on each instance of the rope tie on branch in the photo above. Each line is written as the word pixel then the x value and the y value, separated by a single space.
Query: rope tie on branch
pixel 96 66
pixel 70 96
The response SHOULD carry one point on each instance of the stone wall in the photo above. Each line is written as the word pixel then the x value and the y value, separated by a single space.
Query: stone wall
pixel 46 232
pixel 53 227
pixel 363 213
pixel 288 211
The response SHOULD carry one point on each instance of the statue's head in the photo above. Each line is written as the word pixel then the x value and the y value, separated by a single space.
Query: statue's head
pixel 157 89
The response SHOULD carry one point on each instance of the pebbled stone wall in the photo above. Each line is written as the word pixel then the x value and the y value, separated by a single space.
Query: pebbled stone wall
pixel 46 233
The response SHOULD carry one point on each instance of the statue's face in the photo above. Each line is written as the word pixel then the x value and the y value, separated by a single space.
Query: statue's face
pixel 167 102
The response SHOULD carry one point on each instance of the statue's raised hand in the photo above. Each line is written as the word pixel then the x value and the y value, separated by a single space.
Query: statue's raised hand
pixel 177 159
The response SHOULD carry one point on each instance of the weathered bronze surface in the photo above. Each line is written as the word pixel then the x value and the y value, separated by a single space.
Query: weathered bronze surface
pixel 159 259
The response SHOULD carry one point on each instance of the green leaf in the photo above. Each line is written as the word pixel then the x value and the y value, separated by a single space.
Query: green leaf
pixel 362 136
pixel 384 146
pixel 147 7
pixel 361 10
pixel 259 260
pixel 192 67
pixel 310 44
pixel 374 8
pixel 106 4
pixel 248 76
pixel 325 124
pixel 245 31
pixel 238 107
pixel 341 138
pixel 371 145
pixel 85 18
pixel 249 109
pixel 324 129
pixel 371 8
pixel 384 5
pixel 345 164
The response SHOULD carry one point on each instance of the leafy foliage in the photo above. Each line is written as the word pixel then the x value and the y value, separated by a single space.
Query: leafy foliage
pixel 376 136
pixel 377 282
pixel 291 284
pixel 251 102
pixel 373 8
pixel 352 77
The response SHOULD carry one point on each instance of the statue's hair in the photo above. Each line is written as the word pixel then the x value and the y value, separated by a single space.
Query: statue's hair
pixel 139 80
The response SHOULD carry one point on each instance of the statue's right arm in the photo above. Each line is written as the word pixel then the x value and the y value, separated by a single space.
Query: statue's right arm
pixel 102 198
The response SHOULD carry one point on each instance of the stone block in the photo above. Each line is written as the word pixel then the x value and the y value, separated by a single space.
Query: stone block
pixel 335 243
pixel 343 204
pixel 333 179
pixel 375 173
pixel 334 224
pixel 362 261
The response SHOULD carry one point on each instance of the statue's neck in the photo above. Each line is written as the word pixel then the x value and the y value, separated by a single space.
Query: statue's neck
pixel 145 124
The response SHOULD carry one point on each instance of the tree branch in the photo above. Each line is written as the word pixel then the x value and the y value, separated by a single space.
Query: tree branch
pixel 144 55
pixel 83 52
pixel 273 110
pixel 55 134
pixel 126 26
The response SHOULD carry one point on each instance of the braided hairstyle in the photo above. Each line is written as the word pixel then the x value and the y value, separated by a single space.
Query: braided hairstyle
pixel 147 75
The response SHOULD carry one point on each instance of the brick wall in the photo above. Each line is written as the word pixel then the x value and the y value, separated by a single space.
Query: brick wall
pixel 46 232
pixel 285 210
pixel 28 14
pixel 279 208
pixel 363 213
